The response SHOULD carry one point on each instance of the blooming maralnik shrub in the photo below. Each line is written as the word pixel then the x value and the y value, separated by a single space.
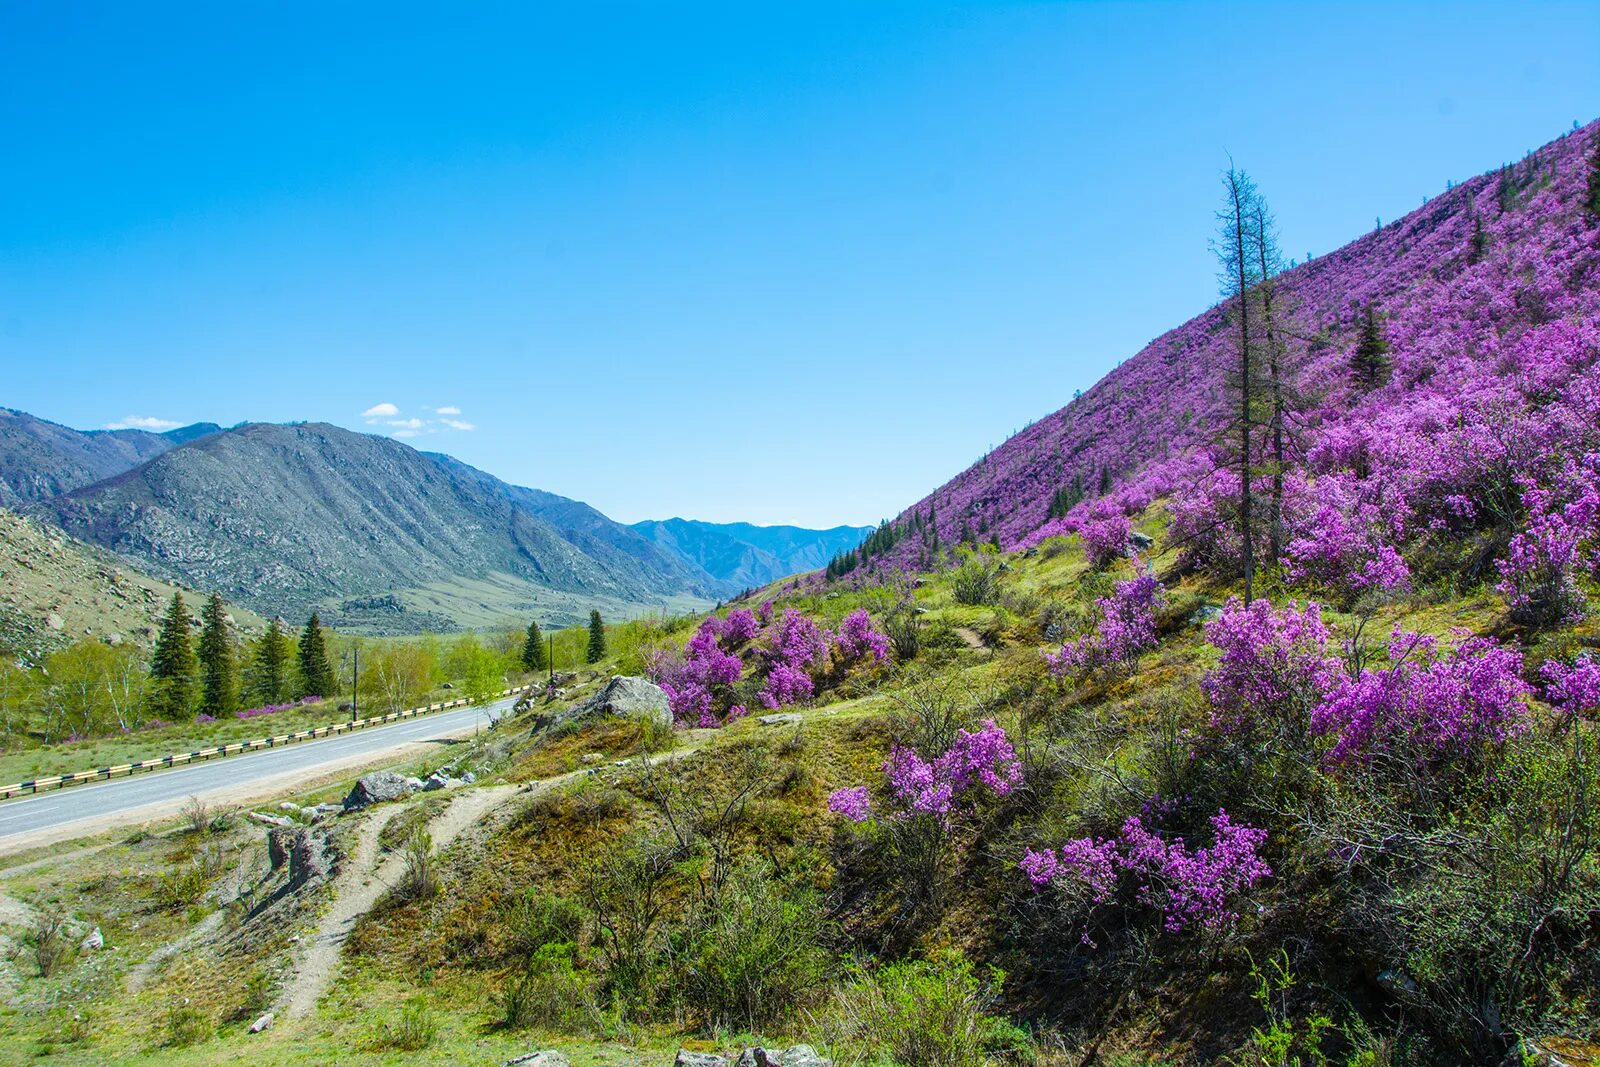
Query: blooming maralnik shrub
pixel 1434 704
pixel 1106 540
pixel 1191 887
pixel 1275 665
pixel 977 762
pixel 699 680
pixel 739 628
pixel 1127 628
pixel 1557 542
pixel 1575 689
pixel 857 637
pixel 273 709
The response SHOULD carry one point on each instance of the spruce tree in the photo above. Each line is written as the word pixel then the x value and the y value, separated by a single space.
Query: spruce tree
pixel 270 681
pixel 316 670
pixel 1371 359
pixel 219 679
pixel 173 666
pixel 533 649
pixel 597 639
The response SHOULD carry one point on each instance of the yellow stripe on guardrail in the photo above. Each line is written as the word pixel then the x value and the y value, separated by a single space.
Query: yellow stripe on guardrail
pixel 61 781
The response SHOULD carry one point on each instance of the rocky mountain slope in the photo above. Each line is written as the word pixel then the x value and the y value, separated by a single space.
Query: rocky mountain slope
pixel 1472 292
pixel 738 555
pixel 54 590
pixel 286 517
pixel 41 459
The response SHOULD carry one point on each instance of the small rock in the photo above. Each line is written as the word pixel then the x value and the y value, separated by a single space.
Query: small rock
pixel 793 1056
pixel 438 780
pixel 263 1022
pixel 699 1059
pixel 544 1058
pixel 414 783
pixel 288 805
pixel 1141 540
pixel 469 778
pixel 94 942
pixel 779 719
pixel 271 820
pixel 1205 614
pixel 1396 982
pixel 53 621
pixel 447 685
pixel 114 639
pixel 590 757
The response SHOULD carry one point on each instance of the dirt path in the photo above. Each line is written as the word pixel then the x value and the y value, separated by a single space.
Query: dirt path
pixel 971 637
pixel 362 881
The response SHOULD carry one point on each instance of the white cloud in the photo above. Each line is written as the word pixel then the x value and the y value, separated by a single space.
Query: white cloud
pixel 381 411
pixel 404 433
pixel 143 422
pixel 407 424
pixel 458 424
pixel 448 409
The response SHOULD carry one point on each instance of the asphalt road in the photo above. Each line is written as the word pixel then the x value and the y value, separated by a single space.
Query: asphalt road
pixel 82 805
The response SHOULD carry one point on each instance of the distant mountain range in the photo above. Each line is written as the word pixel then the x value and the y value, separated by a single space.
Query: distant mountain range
pixel 286 518
pixel 741 556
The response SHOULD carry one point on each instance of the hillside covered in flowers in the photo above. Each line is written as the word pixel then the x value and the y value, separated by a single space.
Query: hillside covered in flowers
pixel 1469 432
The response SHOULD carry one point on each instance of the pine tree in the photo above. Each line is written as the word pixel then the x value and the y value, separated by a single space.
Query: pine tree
pixel 1240 275
pixel 218 673
pixel 316 669
pixel 533 649
pixel 270 677
pixel 1480 239
pixel 597 639
pixel 173 667
pixel 1371 359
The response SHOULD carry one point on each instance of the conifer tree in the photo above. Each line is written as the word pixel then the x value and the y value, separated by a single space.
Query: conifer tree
pixel 270 674
pixel 533 649
pixel 597 639
pixel 219 679
pixel 1370 361
pixel 316 669
pixel 173 667
pixel 1239 275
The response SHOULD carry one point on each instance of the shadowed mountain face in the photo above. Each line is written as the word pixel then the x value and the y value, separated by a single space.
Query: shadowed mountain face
pixel 737 555
pixel 284 517
pixel 41 459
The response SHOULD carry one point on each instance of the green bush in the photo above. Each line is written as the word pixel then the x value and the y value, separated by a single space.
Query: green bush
pixel 185 1025
pixel 552 993
pixel 536 918
pixel 921 1013
pixel 752 956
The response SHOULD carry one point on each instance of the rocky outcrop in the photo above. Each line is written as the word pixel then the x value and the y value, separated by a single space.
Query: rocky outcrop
pixel 377 787
pixel 307 851
pixel 624 697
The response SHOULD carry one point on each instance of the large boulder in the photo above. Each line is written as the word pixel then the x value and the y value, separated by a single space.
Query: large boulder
pixel 793 1056
pixel 377 787
pixel 686 1058
pixel 625 697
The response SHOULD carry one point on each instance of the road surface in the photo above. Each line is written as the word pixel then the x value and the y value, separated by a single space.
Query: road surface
pixel 77 810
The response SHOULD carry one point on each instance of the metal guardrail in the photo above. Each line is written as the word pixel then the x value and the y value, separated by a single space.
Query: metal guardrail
pixel 101 774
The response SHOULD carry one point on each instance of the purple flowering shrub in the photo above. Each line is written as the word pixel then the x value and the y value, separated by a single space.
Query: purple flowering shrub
pixel 1430 703
pixel 273 709
pixel 1105 540
pixel 1575 689
pixel 1127 628
pixel 1190 887
pixel 977 763
pixel 788 660
pixel 1274 668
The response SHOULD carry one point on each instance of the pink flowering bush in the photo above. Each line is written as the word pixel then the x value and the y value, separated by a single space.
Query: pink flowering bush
pixel 1105 540
pixel 976 763
pixel 1274 669
pixel 857 638
pixel 1573 689
pixel 273 709
pixel 699 682
pixel 739 628
pixel 1429 704
pixel 1190 887
pixel 1126 630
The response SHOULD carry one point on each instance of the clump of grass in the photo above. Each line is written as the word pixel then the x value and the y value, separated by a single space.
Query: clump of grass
pixel 419 880
pixel 185 1025
pixel 411 1030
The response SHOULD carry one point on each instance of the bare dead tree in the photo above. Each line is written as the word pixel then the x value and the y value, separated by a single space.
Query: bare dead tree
pixel 1269 262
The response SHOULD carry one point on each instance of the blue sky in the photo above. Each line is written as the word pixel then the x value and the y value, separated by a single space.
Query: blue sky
pixel 794 264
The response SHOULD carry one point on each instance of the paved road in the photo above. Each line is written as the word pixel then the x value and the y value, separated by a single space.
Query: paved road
pixel 111 801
